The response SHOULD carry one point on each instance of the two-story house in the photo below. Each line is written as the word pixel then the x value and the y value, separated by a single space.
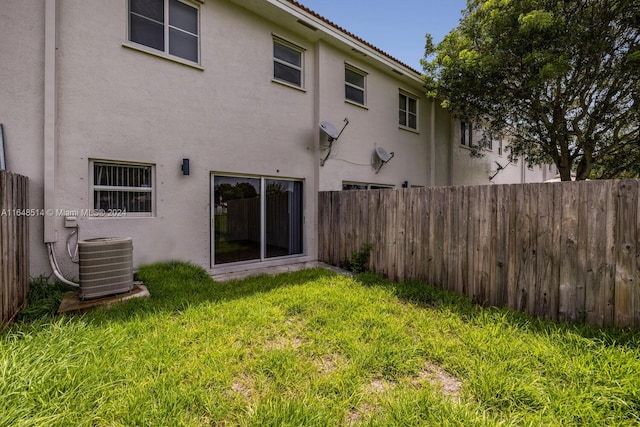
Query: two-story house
pixel 193 126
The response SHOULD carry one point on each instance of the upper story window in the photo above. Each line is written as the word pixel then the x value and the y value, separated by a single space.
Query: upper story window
pixel 287 63
pixel 466 134
pixel 125 187
pixel 354 87
pixel 408 111
pixel 170 26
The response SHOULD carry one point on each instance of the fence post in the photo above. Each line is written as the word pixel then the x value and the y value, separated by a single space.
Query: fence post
pixel 626 239
pixel 14 244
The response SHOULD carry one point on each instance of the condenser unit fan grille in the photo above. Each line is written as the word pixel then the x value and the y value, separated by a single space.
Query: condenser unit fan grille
pixel 106 266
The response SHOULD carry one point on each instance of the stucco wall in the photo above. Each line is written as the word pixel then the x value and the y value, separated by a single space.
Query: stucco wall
pixel 375 124
pixel 116 103
pixel 441 164
pixel 227 116
pixel 21 103
pixel 467 170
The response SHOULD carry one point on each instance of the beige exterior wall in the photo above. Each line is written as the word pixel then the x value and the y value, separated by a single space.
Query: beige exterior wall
pixel 467 170
pixel 21 104
pixel 120 104
pixel 115 102
pixel 375 124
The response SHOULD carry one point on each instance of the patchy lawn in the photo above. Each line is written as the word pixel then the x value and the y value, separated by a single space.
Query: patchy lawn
pixel 311 348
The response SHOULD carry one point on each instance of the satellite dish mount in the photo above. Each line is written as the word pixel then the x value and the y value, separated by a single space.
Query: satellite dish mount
pixel 332 135
pixel 500 169
pixel 382 158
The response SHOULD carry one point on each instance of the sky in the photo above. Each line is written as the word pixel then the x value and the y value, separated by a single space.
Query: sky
pixel 397 27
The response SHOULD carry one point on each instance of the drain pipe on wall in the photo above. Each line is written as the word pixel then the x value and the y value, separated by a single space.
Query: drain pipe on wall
pixel 432 137
pixel 50 101
pixel 50 134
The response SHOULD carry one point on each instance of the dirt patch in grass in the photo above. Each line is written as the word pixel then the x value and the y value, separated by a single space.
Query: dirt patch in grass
pixel 244 386
pixel 329 363
pixel 281 343
pixel 378 385
pixel 367 409
pixel 440 378
pixel 362 413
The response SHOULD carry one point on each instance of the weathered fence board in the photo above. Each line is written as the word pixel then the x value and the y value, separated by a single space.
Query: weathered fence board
pixel 503 200
pixel 14 244
pixel 626 247
pixel 567 251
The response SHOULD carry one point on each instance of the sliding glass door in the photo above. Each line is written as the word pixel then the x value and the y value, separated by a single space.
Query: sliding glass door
pixel 255 218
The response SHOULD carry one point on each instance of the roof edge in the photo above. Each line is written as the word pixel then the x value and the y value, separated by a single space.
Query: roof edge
pixel 352 39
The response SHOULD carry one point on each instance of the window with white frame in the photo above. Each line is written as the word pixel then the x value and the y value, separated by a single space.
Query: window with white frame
pixel 125 187
pixel 466 134
pixel 169 26
pixel 408 111
pixel 256 218
pixel 365 186
pixel 500 147
pixel 287 63
pixel 354 87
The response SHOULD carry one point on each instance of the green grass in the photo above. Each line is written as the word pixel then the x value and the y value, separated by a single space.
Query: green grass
pixel 311 348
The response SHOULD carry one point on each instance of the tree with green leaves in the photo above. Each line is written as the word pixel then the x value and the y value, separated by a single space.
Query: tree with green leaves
pixel 559 79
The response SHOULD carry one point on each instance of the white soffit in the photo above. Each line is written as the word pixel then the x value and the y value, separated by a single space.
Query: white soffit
pixel 329 33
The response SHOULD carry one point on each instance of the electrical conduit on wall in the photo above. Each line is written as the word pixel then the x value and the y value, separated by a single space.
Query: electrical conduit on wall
pixel 50 134
pixel 50 101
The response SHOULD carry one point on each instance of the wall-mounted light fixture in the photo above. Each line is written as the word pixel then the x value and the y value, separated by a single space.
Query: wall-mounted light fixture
pixel 405 184
pixel 185 166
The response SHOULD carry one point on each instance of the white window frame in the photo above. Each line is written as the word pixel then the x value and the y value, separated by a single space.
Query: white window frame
pixel 121 211
pixel 466 134
pixel 362 88
pixel 262 193
pixel 406 111
pixel 367 185
pixel 165 53
pixel 300 68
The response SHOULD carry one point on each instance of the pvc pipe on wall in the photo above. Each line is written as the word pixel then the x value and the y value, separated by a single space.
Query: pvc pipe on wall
pixel 49 131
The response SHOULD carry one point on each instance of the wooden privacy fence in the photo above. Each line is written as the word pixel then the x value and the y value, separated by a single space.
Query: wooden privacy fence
pixel 567 251
pixel 14 244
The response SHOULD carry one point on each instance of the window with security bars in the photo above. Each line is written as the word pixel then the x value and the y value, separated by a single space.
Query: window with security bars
pixel 123 187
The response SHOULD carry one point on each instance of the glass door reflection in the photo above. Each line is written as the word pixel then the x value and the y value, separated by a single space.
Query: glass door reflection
pixel 237 231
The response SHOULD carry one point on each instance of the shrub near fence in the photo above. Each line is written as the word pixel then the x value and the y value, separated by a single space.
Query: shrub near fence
pixel 566 251
pixel 14 244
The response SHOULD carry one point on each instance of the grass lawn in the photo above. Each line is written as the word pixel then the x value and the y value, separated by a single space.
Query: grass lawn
pixel 311 348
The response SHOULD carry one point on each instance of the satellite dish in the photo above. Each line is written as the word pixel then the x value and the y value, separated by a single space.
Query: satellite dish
pixel 382 154
pixel 332 135
pixel 330 130
pixel 383 157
